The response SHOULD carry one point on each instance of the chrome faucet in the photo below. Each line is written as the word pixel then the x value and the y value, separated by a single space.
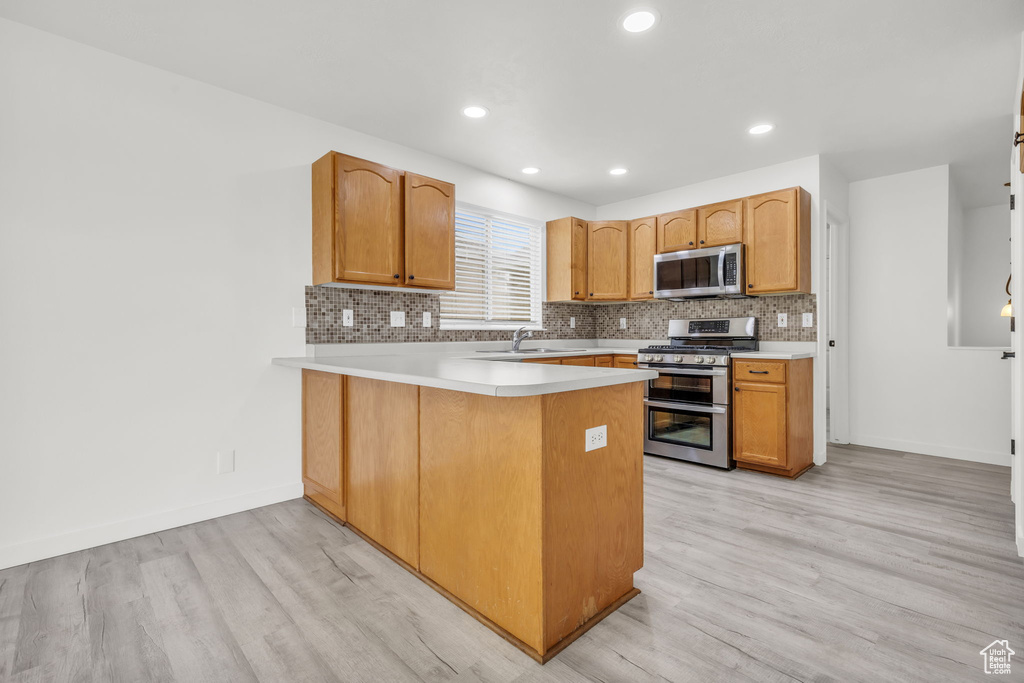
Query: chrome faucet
pixel 518 336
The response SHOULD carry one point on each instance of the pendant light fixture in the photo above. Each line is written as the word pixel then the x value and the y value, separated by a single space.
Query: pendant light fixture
pixel 1007 311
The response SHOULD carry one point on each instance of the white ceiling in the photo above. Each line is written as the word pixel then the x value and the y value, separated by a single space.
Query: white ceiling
pixel 877 86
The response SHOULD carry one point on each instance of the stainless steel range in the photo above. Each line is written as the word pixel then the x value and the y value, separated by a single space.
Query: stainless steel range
pixel 686 410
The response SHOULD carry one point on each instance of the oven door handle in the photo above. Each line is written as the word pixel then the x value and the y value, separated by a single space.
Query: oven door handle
pixel 720 372
pixel 686 406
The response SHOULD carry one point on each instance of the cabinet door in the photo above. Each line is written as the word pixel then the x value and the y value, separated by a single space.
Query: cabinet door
pixel 579 360
pixel 383 464
pixel 759 425
pixel 643 245
pixel 778 242
pixel 429 232
pixel 625 362
pixel 580 233
pixel 677 231
pixel 368 242
pixel 720 224
pixel 606 260
pixel 603 361
pixel 323 438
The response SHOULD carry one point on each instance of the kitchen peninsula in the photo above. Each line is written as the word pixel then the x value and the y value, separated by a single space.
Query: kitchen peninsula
pixel 475 475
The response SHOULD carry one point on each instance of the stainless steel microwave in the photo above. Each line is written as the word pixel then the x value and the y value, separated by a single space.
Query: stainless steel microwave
pixel 714 271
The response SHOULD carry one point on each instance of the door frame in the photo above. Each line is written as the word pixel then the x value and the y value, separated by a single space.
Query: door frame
pixel 836 325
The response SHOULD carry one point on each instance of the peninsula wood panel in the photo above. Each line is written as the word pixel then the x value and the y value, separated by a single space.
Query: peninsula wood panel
pixel 643 245
pixel 480 505
pixel 429 232
pixel 593 504
pixel 777 235
pixel 677 231
pixel 383 463
pixel 607 247
pixel 566 259
pixel 544 361
pixel 323 434
pixel 368 232
pixel 719 224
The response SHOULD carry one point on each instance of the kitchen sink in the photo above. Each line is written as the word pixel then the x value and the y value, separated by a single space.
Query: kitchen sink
pixel 525 351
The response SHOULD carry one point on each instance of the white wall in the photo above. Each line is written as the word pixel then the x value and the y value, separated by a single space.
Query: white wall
pixel 985 257
pixel 154 238
pixel 956 263
pixel 908 389
pixel 803 172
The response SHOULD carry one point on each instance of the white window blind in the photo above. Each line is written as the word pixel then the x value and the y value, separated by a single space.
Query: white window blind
pixel 497 272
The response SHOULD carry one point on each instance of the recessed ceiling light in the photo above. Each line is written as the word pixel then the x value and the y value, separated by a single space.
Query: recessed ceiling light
pixel 530 170
pixel 619 171
pixel 761 129
pixel 475 112
pixel 639 21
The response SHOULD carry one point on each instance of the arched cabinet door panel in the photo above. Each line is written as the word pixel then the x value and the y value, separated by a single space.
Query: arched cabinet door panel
pixel 777 235
pixel 606 260
pixel 429 232
pixel 643 245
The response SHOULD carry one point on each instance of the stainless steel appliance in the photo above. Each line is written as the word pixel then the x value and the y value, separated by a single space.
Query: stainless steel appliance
pixel 700 273
pixel 686 409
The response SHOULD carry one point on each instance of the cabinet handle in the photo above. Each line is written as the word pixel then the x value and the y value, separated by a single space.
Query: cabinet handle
pixel 591 294
pixel 750 286
pixel 397 276
pixel 736 388
pixel 412 277
pixel 651 292
pixel 577 292
pixel 758 372
pixel 691 244
pixel 702 241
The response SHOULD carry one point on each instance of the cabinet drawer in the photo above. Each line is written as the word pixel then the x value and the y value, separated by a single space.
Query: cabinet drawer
pixel 760 371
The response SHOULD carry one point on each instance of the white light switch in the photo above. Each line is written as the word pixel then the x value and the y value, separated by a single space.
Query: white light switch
pixel 808 320
pixel 298 317
pixel 397 318
pixel 622 323
pixel 783 320
pixel 346 317
pixel 572 323
pixel 426 318
pixel 597 437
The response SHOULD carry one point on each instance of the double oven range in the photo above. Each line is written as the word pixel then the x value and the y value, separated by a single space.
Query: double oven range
pixel 687 413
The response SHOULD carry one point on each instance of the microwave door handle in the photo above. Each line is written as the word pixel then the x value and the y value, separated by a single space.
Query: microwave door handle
pixel 685 406
pixel 721 269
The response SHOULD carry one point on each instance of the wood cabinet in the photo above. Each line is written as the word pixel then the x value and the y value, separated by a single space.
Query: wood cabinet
pixel 607 247
pixel 677 231
pixel 374 225
pixel 429 232
pixel 773 416
pixel 567 259
pixel 323 440
pixel 603 361
pixel 643 245
pixel 719 224
pixel 624 362
pixel 579 360
pixel 600 361
pixel 777 236
pixel 383 464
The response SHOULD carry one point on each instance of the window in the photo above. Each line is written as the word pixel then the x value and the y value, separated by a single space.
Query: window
pixel 497 272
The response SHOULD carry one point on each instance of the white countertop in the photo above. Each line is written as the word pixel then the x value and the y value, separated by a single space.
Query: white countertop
pixel 774 355
pixel 489 373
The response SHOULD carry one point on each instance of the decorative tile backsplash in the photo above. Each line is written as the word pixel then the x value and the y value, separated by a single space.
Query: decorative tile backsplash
pixel 644 320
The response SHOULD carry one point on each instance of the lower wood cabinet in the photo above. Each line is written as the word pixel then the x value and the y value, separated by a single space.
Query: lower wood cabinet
pixel 624 361
pixel 601 361
pixel 773 416
pixel 382 421
pixel 579 360
pixel 323 440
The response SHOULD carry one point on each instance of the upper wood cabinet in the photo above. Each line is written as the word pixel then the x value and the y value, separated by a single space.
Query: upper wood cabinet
pixel 719 224
pixel 643 245
pixel 777 235
pixel 360 225
pixel 567 259
pixel 607 260
pixel 677 231
pixel 429 232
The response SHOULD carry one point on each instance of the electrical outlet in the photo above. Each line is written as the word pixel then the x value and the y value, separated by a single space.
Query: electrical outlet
pixel 597 437
pixel 622 323
pixel 298 317
pixel 572 323
pixel 426 318
pixel 225 462
pixel 397 318
pixel 346 317
pixel 783 320
pixel 808 320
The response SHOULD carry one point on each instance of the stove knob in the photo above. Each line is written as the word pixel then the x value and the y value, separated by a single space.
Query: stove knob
pixel 678 359
pixel 699 359
pixel 646 358
pixel 659 358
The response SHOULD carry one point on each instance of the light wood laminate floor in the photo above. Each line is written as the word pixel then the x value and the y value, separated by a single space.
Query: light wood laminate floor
pixel 879 566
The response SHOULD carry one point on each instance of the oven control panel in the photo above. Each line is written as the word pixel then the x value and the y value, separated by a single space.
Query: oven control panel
pixel 683 359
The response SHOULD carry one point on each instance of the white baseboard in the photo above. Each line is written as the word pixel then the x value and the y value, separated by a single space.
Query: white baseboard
pixel 52 546
pixel 1020 545
pixel 940 450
